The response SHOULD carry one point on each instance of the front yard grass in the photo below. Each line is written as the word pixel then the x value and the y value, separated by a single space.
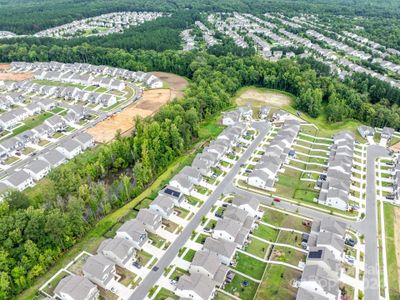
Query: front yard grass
pixel 157 241
pixel 178 272
pixel 143 257
pixel 189 255
pixel 165 294
pixel 250 266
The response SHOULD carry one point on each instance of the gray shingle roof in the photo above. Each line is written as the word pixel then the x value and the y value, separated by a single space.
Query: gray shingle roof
pixel 77 287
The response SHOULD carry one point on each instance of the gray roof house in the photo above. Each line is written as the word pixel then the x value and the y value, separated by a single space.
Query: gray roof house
pixel 174 193
pixel 304 294
pixel 54 158
pixel 250 205
pixel 195 286
pixel 331 225
pixel 332 242
pixel 209 264
pixel 387 133
pixel 315 278
pixel 231 230
pixel 19 180
pixel 182 182
pixel 38 169
pixel 133 231
pixel 225 250
pixel 70 148
pixel 85 139
pixel 99 270
pixel 119 250
pixel 150 219
pixel 192 174
pixel 365 131
pixel 76 288
pixel 163 205
pixel 324 258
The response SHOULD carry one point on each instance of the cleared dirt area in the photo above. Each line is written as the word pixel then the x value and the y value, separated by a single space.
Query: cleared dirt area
pixel 395 147
pixel 258 97
pixel 176 83
pixel 150 103
pixel 13 75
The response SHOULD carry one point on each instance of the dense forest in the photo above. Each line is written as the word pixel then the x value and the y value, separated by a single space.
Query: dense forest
pixel 29 16
pixel 36 226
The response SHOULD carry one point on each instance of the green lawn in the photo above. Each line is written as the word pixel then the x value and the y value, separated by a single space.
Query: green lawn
pixel 201 238
pixel 193 200
pixel 392 263
pixel 290 238
pixel 258 248
pixel 178 272
pixel 266 233
pixel 281 219
pixel 237 288
pixel 165 294
pixel 189 255
pixel 221 296
pixel 31 122
pixel 143 257
pixel 157 240
pixel 287 255
pixel 250 266
pixel 50 287
pixel 211 128
pixel 276 283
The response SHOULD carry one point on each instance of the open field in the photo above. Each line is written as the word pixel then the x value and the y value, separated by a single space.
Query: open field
pixel 261 96
pixel 392 222
pixel 176 83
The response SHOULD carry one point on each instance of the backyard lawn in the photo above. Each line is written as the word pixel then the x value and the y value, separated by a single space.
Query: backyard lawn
pixel 281 219
pixel 288 255
pixel 258 248
pixel 250 266
pixel 242 287
pixel 290 238
pixel 276 283
pixel 267 233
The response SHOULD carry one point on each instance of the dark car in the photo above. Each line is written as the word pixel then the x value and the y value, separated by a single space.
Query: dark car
pixel 277 200
pixel 350 242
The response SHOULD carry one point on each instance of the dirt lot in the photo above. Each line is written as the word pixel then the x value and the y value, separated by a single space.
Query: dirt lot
pixel 395 147
pixel 259 97
pixel 151 102
pixel 13 76
pixel 176 83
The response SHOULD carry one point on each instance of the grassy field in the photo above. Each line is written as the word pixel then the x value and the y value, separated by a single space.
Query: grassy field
pixel 392 263
pixel 266 233
pixel 238 289
pixel 281 219
pixel 165 294
pixel 31 122
pixel 257 248
pixel 250 266
pixel 276 283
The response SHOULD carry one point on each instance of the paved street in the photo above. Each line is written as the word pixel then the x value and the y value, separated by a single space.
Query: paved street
pixel 370 224
pixel 142 290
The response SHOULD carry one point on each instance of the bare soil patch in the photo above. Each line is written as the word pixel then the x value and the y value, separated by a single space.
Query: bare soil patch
pixel 151 102
pixel 176 83
pixel 5 66
pixel 395 147
pixel 14 76
pixel 397 240
pixel 258 98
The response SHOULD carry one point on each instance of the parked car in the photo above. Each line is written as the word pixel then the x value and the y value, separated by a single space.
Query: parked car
pixel 350 242
pixel 277 200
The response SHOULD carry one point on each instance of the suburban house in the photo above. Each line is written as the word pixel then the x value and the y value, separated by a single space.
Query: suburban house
pixel 85 139
pixel 387 133
pixel 54 158
pixel 196 287
pixel 365 131
pixel 225 250
pixel 174 193
pixel 38 169
pixel 74 287
pixel 264 112
pixel 192 174
pixel 280 115
pixel 182 182
pixel 208 263
pixel 99 270
pixel 230 118
pixel 133 231
pixel 70 148
pixel 250 205
pixel 150 219
pixel 46 104
pixel 19 180
pixel 56 122
pixel 163 205
pixel 118 250
pixel 232 231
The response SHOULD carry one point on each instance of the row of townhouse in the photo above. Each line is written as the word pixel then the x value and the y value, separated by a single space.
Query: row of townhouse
pixel 39 168
pixel 50 126
pixel 100 269
pixel 335 185
pixel 10 99
pixel 67 93
pixel 396 181
pixel 265 173
pixel 101 70
pixel 209 269
pixel 13 117
pixel 320 277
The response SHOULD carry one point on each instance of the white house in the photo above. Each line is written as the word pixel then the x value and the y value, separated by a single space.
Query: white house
pixel 38 169
pixel 70 148
pixel 19 180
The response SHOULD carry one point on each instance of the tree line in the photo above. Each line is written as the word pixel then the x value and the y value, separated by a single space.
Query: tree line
pixel 38 225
